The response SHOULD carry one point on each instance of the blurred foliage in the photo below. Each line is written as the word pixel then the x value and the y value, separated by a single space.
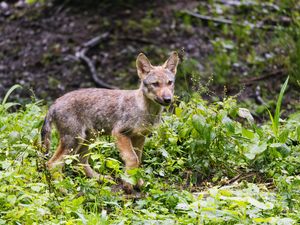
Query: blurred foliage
pixel 250 38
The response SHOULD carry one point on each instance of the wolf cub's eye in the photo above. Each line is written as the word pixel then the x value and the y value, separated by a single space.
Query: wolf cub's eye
pixel 155 84
pixel 170 82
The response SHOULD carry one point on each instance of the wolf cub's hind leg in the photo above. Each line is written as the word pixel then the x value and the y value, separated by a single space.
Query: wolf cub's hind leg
pixel 68 144
pixel 57 158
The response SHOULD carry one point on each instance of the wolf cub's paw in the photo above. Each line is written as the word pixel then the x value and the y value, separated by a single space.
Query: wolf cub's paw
pixel 140 184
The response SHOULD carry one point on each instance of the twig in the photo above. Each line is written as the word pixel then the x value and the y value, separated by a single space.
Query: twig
pixel 248 3
pixel 96 40
pixel 235 180
pixel 280 72
pixel 136 195
pixel 203 17
pixel 232 180
pixel 223 20
pixel 140 40
pixel 100 83
pixel 82 56
pixel 204 194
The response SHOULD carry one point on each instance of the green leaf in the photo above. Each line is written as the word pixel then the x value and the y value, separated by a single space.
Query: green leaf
pixel 82 217
pixel 247 133
pixel 285 221
pixel 164 152
pixel 129 179
pixel 95 156
pixel 259 204
pixel 275 145
pixel 9 92
pixel 275 119
pixel 263 220
pixel 255 149
pixel 198 122
pixel 113 164
pixel 37 187
pixel 9 104
pixel 278 105
pixel 11 199
pixel 68 161
pixel 30 2
pixel 5 164
pixel 182 206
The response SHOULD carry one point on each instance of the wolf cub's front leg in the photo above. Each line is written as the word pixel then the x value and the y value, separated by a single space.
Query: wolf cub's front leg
pixel 138 145
pixel 128 155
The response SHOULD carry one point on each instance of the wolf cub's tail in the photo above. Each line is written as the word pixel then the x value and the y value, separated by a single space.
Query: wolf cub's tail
pixel 46 132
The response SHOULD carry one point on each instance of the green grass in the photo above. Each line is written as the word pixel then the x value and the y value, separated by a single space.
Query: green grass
pixel 275 118
pixel 189 167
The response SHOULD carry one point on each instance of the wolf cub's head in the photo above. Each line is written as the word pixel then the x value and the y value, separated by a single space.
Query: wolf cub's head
pixel 158 81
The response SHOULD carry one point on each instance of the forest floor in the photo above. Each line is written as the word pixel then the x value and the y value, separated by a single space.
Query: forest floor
pixel 38 43
pixel 39 46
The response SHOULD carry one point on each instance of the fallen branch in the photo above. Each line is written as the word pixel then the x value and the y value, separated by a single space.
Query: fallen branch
pixel 249 3
pixel 140 40
pixel 82 56
pixel 135 196
pixel 276 73
pixel 241 177
pixel 223 20
pixel 96 40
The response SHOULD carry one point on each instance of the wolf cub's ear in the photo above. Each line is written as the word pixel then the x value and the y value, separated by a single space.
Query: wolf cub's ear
pixel 172 63
pixel 143 65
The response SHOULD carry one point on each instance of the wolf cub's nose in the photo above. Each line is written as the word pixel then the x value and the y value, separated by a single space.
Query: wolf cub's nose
pixel 167 100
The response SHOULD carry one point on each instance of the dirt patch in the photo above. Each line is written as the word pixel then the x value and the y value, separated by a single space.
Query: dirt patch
pixel 38 43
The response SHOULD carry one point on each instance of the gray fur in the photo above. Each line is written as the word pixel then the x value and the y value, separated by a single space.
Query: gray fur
pixel 128 115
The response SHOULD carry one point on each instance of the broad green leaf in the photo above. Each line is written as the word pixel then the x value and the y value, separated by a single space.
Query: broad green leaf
pixel 112 164
pixel 255 149
pixel 11 199
pixel 5 164
pixel 129 179
pixel 259 204
pixel 247 133
pixel 36 188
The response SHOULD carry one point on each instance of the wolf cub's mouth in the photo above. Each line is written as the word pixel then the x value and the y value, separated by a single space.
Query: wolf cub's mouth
pixel 162 102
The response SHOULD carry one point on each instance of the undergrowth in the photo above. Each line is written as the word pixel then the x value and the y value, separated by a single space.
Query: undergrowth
pixel 205 164
pixel 255 44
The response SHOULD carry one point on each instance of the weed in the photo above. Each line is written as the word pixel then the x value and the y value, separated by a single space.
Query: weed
pixel 275 118
pixel 187 160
